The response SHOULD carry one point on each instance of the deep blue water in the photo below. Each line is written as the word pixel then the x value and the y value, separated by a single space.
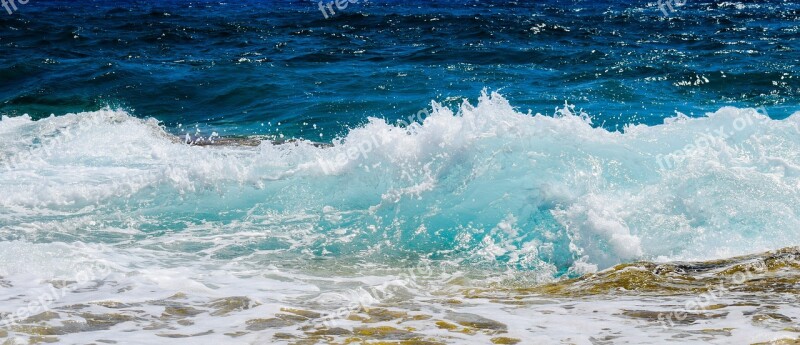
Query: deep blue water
pixel 480 195
pixel 240 66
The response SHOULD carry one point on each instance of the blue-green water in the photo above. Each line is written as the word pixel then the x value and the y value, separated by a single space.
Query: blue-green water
pixel 484 144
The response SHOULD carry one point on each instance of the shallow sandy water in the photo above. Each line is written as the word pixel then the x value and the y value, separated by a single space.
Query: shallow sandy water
pixel 744 300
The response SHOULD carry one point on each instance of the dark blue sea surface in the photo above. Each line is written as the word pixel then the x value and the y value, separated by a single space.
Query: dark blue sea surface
pixel 242 67
pixel 668 142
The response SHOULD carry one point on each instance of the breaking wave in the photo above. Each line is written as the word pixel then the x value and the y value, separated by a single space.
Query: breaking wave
pixel 482 185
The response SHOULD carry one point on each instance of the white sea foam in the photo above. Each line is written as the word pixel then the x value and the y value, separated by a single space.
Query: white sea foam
pixel 484 187
pixel 577 193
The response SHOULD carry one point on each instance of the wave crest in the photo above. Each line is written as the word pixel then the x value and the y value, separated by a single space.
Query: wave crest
pixel 482 185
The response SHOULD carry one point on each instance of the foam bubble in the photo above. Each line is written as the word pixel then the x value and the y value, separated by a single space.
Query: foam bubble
pixel 485 185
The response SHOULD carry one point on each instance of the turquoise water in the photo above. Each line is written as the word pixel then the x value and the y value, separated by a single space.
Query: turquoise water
pixel 478 144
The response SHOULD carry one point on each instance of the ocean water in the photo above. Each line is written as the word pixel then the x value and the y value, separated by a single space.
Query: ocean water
pixel 400 172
